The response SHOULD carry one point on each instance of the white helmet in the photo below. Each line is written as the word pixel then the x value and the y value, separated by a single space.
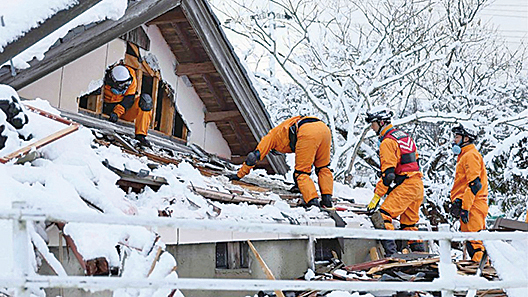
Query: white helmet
pixel 120 74
pixel 119 79
pixel 379 113
pixel 466 129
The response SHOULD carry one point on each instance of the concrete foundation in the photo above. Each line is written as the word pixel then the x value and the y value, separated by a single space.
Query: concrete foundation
pixel 287 259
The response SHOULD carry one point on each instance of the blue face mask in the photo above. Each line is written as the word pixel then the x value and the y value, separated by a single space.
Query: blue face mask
pixel 456 148
pixel 117 92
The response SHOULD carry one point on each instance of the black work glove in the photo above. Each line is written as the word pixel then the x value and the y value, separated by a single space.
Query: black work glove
pixel 295 189
pixel 456 208
pixel 252 158
pixel 464 216
pixel 233 177
pixel 113 117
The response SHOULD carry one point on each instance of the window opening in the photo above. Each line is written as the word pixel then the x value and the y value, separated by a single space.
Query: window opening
pixel 324 248
pixel 232 255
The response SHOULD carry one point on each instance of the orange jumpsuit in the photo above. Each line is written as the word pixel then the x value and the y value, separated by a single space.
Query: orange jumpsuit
pixel 404 200
pixel 312 149
pixel 470 165
pixel 142 118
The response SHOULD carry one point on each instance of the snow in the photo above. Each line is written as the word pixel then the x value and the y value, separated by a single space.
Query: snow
pixel 510 259
pixel 69 173
pixel 70 169
pixel 21 16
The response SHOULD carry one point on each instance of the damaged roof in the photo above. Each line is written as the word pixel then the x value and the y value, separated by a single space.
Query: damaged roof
pixel 205 57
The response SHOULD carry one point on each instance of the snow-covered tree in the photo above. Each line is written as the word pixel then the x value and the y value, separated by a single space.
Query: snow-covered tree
pixel 432 62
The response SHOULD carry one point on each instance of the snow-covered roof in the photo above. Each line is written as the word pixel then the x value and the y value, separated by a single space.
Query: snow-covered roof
pixel 19 17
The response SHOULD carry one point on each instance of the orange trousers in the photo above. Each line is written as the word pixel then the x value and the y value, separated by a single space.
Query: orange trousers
pixel 313 149
pixel 476 222
pixel 404 201
pixel 142 118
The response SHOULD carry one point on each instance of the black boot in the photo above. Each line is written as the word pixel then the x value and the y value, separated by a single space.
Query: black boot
pixel 326 201
pixel 143 142
pixel 389 246
pixel 313 202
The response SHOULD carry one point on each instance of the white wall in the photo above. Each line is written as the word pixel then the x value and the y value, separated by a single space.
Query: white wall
pixel 188 103
pixel 63 86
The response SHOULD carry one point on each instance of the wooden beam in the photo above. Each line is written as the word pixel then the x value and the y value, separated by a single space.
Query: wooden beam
pixel 221 116
pixel 175 15
pixel 50 25
pixel 155 88
pixel 216 94
pixel 195 68
pixel 183 35
pixel 94 37
pixel 264 267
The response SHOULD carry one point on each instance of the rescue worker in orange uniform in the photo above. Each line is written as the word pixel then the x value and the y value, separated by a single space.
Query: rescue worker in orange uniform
pixel 121 100
pixel 310 139
pixel 469 195
pixel 401 178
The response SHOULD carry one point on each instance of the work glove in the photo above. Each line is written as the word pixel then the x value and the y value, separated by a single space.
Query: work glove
pixel 373 203
pixel 464 216
pixel 456 208
pixel 252 158
pixel 233 177
pixel 294 189
pixel 113 117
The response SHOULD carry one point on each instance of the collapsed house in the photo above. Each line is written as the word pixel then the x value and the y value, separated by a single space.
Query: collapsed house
pixel 207 117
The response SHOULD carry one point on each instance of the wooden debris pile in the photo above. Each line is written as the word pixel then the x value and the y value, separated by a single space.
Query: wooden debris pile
pixel 412 267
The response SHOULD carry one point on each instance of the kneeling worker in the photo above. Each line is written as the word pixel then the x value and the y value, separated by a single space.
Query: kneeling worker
pixel 310 139
pixel 122 102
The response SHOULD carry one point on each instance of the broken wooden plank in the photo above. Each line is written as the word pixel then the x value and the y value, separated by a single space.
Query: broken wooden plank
pixel 73 247
pixel 158 254
pixel 227 197
pixel 50 115
pixel 366 265
pixel 503 224
pixel 97 266
pixel 374 254
pixel 264 267
pixel 404 264
pixel 36 145
pixel 46 140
